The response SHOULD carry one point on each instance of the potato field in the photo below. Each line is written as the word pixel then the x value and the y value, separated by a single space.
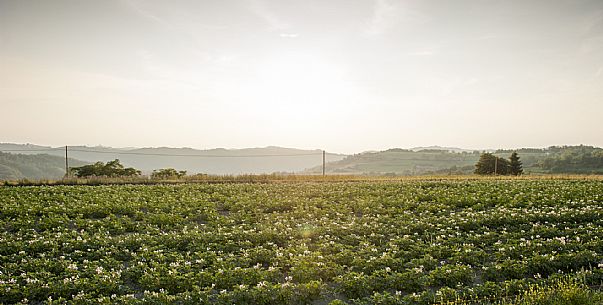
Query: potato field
pixel 362 242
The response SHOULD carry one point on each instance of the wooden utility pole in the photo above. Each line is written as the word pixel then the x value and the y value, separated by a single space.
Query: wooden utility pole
pixel 323 162
pixel 66 163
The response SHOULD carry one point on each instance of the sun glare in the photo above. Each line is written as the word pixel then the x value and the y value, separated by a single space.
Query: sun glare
pixel 297 85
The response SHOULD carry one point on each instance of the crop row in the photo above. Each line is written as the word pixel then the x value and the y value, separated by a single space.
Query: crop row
pixel 415 242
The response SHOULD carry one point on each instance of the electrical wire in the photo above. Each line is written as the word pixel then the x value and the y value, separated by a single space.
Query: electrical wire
pixel 165 155
pixel 31 150
pixel 197 155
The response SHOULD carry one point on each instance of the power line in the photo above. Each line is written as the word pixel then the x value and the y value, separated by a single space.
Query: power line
pixel 211 156
pixel 194 155
pixel 31 150
pixel 168 155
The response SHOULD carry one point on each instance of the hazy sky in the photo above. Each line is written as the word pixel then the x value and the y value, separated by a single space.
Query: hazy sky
pixel 345 75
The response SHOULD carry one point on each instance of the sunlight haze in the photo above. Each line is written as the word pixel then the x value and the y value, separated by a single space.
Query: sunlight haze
pixel 345 76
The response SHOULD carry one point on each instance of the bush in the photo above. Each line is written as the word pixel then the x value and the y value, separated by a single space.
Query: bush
pixel 167 173
pixel 110 169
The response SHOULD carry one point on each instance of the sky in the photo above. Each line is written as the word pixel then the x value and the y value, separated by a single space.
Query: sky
pixel 342 75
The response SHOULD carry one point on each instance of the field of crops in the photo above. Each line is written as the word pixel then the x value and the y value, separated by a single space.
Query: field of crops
pixel 389 242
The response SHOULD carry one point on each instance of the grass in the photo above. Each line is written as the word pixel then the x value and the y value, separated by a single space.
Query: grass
pixel 565 291
pixel 270 178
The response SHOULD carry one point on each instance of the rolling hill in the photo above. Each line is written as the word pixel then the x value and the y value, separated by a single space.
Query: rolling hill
pixel 212 161
pixel 30 163
pixel 436 160
pixel 39 166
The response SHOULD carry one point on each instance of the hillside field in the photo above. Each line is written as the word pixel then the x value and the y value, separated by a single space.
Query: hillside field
pixel 409 241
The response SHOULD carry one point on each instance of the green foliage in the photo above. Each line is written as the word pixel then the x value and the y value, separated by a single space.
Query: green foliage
pixel 554 159
pixel 42 166
pixel 489 164
pixel 110 169
pixel 576 159
pixel 559 291
pixel 362 242
pixel 167 173
pixel 401 162
pixel 515 166
pixel 563 292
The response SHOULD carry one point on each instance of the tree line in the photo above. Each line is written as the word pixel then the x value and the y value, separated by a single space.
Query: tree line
pixel 116 169
pixel 489 164
pixel 576 159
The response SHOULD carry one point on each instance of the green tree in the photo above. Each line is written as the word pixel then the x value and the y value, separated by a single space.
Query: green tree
pixel 489 164
pixel 515 166
pixel 110 169
pixel 574 159
pixel 167 173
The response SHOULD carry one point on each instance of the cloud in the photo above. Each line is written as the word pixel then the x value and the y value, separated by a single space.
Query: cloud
pixel 422 53
pixel 150 65
pixel 288 35
pixel 591 22
pixel 446 85
pixel 137 7
pixel 384 17
pixel 590 45
pixel 259 8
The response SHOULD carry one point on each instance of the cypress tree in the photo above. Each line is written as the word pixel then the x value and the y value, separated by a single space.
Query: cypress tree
pixel 515 165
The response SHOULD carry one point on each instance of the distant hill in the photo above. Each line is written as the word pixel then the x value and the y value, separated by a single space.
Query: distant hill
pixel 436 148
pixel 441 160
pixel 39 162
pixel 566 159
pixel 212 161
pixel 401 162
pixel 40 166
